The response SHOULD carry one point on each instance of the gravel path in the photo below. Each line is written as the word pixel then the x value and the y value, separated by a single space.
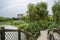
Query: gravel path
pixel 43 35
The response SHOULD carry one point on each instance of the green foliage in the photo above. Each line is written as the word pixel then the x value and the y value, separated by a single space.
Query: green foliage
pixel 25 18
pixel 4 19
pixel 43 24
pixel 18 22
pixel 42 5
pixel 56 12
pixel 22 26
pixel 50 18
pixel 51 25
pixel 13 18
pixel 33 28
pixel 37 11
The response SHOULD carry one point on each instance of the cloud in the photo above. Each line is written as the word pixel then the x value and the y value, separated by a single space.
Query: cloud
pixel 10 8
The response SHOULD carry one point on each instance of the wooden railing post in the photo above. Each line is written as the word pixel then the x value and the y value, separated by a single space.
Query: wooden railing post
pixel 2 33
pixel 19 35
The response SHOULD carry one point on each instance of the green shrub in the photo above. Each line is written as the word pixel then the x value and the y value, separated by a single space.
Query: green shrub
pixel 52 25
pixel 33 28
pixel 43 24
pixel 22 26
pixel 18 22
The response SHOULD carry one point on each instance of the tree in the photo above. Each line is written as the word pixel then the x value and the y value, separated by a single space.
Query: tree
pixel 56 12
pixel 37 11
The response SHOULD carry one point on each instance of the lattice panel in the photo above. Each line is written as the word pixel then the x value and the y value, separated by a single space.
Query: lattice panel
pixel 11 35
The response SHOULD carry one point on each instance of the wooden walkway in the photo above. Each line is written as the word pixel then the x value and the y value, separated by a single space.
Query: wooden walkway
pixel 43 35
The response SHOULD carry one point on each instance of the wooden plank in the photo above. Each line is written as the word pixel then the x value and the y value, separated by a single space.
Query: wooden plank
pixel 19 35
pixel 3 34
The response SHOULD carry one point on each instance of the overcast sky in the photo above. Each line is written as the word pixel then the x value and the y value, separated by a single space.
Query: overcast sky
pixel 10 8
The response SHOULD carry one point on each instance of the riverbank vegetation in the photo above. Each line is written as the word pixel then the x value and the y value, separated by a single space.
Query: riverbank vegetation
pixel 37 19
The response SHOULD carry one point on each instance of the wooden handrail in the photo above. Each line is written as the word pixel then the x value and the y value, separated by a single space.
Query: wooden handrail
pixel 14 30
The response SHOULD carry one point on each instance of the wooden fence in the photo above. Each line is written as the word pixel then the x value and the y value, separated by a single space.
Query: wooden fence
pixel 9 34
